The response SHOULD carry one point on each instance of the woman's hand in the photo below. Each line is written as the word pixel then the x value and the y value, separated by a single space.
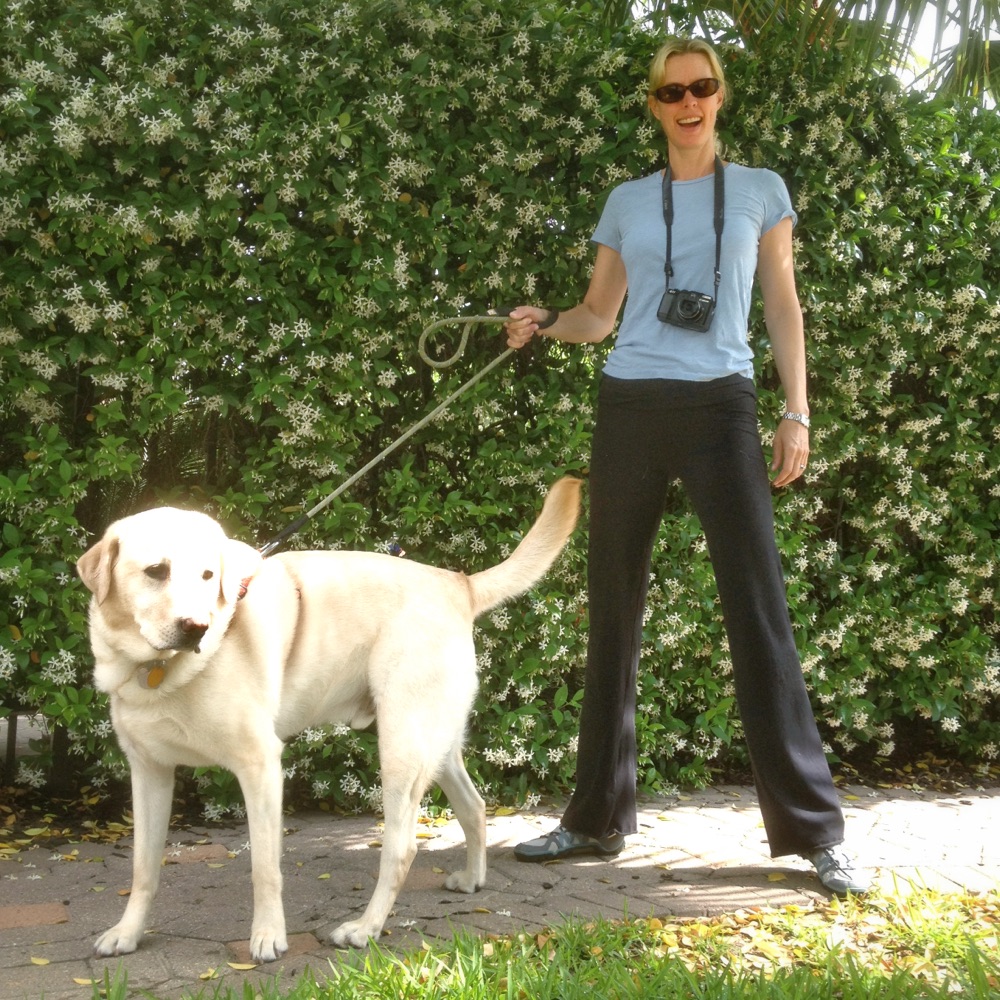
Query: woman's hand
pixel 523 324
pixel 790 453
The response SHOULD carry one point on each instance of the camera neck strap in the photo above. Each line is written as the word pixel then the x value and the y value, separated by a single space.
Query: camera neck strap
pixel 720 212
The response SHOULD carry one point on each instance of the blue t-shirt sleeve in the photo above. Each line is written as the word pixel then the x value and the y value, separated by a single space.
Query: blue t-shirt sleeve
pixel 777 201
pixel 608 229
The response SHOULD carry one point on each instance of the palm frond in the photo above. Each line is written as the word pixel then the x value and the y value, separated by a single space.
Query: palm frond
pixel 966 69
pixel 878 34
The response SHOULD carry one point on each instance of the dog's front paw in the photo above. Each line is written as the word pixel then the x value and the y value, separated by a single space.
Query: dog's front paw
pixel 117 941
pixel 464 881
pixel 267 944
pixel 354 934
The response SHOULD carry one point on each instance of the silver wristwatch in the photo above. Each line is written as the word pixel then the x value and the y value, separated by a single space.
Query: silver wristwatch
pixel 799 418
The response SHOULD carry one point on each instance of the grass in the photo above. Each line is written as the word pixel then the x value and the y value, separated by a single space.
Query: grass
pixel 901 946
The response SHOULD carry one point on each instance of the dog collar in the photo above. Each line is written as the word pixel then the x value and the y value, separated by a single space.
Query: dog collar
pixel 151 674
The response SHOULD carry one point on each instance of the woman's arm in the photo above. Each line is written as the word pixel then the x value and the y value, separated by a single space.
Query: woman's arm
pixel 587 323
pixel 783 316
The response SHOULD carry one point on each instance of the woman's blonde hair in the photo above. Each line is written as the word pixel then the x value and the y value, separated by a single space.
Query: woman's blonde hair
pixel 682 47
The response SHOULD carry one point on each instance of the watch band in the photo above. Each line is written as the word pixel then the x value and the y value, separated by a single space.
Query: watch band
pixel 799 418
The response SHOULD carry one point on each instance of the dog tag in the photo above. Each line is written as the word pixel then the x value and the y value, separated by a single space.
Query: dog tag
pixel 152 677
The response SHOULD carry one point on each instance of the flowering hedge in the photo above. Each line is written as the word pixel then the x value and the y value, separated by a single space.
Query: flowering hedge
pixel 223 227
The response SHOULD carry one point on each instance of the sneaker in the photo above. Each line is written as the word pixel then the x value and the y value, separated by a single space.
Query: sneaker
pixel 563 843
pixel 837 872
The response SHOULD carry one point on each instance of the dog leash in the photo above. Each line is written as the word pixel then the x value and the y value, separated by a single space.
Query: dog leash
pixel 495 316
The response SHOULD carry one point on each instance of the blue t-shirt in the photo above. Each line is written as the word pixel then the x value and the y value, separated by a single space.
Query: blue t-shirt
pixel 632 224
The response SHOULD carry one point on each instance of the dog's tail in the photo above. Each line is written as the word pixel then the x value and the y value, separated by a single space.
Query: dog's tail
pixel 537 551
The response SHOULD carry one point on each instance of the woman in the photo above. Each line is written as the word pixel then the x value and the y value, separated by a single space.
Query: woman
pixel 677 401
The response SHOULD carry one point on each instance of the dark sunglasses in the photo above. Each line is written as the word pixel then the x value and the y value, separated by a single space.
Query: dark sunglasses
pixel 671 93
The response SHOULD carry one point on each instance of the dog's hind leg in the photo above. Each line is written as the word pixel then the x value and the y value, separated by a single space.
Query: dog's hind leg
pixel 152 795
pixel 470 809
pixel 401 804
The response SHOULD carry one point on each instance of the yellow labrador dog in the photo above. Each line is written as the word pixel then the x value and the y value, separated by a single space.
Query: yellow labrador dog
pixel 213 655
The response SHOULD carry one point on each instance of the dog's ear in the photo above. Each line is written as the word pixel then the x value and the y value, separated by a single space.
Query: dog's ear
pixel 239 564
pixel 96 566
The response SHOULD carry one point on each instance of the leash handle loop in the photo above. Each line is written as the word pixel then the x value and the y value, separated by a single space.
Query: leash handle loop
pixel 466 322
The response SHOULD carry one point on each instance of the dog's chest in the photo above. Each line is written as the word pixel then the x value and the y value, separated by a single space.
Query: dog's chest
pixel 171 733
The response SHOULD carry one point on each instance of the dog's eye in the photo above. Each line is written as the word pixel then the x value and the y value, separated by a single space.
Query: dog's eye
pixel 207 575
pixel 158 572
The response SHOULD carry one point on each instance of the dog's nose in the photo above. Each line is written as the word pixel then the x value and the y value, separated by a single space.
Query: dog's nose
pixel 193 630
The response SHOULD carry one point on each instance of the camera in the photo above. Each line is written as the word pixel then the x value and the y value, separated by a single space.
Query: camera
pixel 688 310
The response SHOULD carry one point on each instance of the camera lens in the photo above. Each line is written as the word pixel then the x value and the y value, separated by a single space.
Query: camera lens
pixel 688 309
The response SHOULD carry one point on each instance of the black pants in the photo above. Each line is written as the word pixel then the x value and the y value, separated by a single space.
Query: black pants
pixel 649 433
